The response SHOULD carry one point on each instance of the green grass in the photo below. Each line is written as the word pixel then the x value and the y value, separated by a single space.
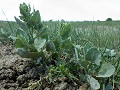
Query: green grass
pixel 100 33
pixel 4 24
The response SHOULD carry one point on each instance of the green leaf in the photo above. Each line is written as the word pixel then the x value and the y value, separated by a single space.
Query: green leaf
pixel 65 30
pixel 36 19
pixel 94 84
pixel 43 33
pixel 50 46
pixel 26 54
pixel 22 33
pixel 21 42
pixel 93 55
pixel 38 26
pixel 67 44
pixel 58 41
pixel 21 24
pixel 76 54
pixel 78 47
pixel 22 52
pixel 109 87
pixel 39 43
pixel 23 9
pixel 12 37
pixel 87 46
pixel 106 70
pixel 109 53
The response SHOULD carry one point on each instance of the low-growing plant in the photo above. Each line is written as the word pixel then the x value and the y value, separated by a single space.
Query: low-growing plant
pixel 62 55
pixel 95 68
pixel 29 40
pixel 61 70
pixel 4 34
pixel 7 29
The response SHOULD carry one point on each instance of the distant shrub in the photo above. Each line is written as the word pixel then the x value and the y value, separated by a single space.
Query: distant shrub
pixel 109 19
pixel 98 20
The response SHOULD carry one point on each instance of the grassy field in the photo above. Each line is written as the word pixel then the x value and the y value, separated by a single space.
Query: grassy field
pixel 102 34
pixel 5 24
pixel 76 53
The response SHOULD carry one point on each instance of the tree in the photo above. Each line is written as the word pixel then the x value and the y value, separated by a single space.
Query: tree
pixel 109 19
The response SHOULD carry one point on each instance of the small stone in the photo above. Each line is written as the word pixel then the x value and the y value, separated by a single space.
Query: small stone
pixel 61 86
pixel 11 88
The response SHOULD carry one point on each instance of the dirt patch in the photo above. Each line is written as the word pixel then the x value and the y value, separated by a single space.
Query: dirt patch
pixel 16 72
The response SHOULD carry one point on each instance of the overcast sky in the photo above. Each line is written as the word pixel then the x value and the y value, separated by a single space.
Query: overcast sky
pixel 77 10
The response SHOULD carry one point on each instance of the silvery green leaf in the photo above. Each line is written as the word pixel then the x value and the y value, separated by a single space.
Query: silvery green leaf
pixel 50 46
pixel 78 47
pixel 108 52
pixel 26 54
pixel 106 70
pixel 93 55
pixel 94 84
pixel 39 43
pixel 112 53
pixel 109 87
pixel 87 46
pixel 65 30
pixel 76 54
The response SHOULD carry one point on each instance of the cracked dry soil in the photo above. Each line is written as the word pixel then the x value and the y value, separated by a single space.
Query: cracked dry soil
pixel 15 72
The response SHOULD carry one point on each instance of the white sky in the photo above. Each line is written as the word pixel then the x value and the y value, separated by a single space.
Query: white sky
pixel 77 10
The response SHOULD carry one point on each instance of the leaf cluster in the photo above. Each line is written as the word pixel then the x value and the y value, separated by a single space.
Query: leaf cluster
pixel 58 52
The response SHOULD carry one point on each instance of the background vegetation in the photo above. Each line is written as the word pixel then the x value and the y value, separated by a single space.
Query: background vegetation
pixel 88 50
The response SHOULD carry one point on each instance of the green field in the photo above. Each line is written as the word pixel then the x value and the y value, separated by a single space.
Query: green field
pixel 100 33
pixel 88 50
